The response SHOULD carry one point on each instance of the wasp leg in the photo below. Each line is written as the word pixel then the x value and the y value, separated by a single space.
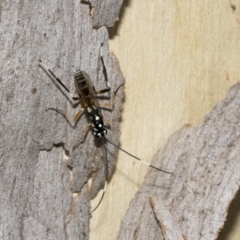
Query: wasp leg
pixel 84 134
pixel 108 89
pixel 107 105
pixel 107 123
pixel 75 119
pixel 110 104
pixel 52 75
pixel 103 91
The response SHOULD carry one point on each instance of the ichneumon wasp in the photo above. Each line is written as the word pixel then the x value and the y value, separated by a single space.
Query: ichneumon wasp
pixel 92 109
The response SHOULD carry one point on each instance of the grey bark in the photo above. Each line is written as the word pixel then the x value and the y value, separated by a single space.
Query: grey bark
pixel 192 203
pixel 36 180
pixel 101 14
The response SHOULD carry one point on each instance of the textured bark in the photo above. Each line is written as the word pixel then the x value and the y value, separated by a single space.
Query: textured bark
pixel 101 14
pixel 36 180
pixel 192 203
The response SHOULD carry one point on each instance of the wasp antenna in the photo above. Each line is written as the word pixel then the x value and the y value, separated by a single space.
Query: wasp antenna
pixel 106 175
pixel 146 163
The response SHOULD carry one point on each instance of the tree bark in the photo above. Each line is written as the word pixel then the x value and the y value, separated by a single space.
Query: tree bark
pixel 37 179
pixel 105 13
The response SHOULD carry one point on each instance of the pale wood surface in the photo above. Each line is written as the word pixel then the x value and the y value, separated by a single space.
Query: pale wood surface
pixel 191 203
pixel 179 59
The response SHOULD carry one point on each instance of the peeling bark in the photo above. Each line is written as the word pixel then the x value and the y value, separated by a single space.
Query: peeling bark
pixel 192 203
pixel 36 182
pixel 101 14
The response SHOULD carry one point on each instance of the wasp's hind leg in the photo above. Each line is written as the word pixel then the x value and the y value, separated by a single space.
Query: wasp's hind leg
pixel 75 118
pixel 84 134
pixel 108 89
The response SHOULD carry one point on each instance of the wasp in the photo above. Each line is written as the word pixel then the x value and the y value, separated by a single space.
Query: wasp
pixel 92 109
